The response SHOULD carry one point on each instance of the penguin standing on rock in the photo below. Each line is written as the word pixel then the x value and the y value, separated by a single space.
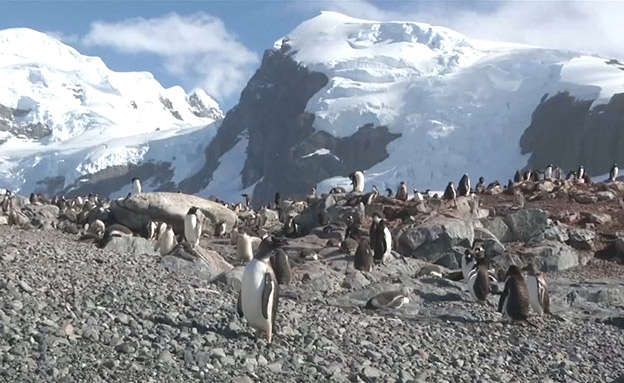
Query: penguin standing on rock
pixel 613 173
pixel 517 177
pixel 259 295
pixel 558 173
pixel 464 185
pixel 449 192
pixel 538 290
pixel 383 241
pixel 389 192
pixel 166 241
pixel 548 172
pixel 193 226
pixel 401 194
pixel 136 186
pixel 357 180
pixel 481 187
pixel 514 301
pixel 220 229
pixel 581 172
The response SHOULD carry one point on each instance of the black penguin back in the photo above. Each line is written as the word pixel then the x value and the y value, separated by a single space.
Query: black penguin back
pixel 517 295
pixel 363 256
pixel 380 243
pixel 482 283
pixel 281 267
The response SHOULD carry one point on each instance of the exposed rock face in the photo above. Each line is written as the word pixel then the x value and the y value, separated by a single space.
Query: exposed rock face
pixel 9 124
pixel 271 113
pixel 137 210
pixel 553 256
pixel 563 131
pixel 526 224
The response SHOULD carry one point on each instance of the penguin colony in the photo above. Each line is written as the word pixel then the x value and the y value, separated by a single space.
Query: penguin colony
pixel 267 265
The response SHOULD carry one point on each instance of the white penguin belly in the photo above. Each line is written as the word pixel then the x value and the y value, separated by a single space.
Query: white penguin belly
pixel 466 267
pixel 251 299
pixel 167 242
pixel 470 281
pixel 243 247
pixel 190 233
pixel 534 300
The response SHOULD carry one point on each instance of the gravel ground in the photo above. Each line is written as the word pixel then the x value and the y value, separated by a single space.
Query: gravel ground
pixel 71 312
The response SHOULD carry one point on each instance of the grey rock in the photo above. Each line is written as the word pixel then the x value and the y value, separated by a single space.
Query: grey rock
pixel 498 228
pixel 201 263
pixel 435 237
pixel 165 357
pixel 582 239
pixel 355 280
pixel 137 210
pixel 130 245
pixel 527 223
pixel 232 279
pixel 124 348
pixel 597 218
pixel 553 256
pixel 556 233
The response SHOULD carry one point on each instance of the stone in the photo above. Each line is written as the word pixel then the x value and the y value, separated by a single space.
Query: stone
pixel 130 245
pixel 582 239
pixel 200 263
pixel 355 280
pixel 137 210
pixel 597 218
pixel 491 244
pixel 498 228
pixel 124 348
pixel 553 256
pixel 527 223
pixel 232 278
pixel 437 236
pixel 165 357
pixel 556 233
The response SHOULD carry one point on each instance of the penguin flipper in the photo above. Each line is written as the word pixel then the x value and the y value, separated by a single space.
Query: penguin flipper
pixel 267 291
pixel 239 305
pixel 503 296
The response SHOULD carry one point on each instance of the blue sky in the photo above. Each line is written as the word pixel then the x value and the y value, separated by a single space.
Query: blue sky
pixel 217 45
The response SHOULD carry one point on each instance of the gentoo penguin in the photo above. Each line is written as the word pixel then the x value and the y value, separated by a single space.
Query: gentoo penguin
pixel 558 173
pixel 244 251
pixel 418 196
pixel 388 299
pixel 383 241
pixel 357 180
pixel 581 172
pixel 548 172
pixel 518 198
pixel 338 190
pixel 449 192
pixel 369 198
pixel 136 186
pixel 151 230
pixel 517 177
pixel 527 175
pixel 469 261
pixel 389 192
pixel 97 228
pixel 514 301
pixel 281 267
pixel 571 176
pixel 259 295
pixel 234 237
pixel 166 241
pixel 363 256
pixel 481 187
pixel 372 231
pixel 478 280
pixel 613 173
pixel 463 188
pixel 401 193
pixel 247 200
pixel 193 226
pixel 538 290
pixel 220 229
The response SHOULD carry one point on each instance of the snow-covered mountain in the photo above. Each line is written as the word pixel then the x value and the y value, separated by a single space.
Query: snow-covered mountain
pixel 404 101
pixel 414 102
pixel 66 119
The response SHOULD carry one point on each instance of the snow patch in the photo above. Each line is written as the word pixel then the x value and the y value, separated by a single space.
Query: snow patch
pixel 321 152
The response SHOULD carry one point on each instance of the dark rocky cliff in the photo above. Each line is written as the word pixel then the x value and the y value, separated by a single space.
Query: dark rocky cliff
pixel 566 132
pixel 271 112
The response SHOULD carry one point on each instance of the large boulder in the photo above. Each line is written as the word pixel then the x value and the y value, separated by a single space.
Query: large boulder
pixel 198 263
pixel 137 210
pixel 130 245
pixel 436 237
pixel 582 239
pixel 527 223
pixel 552 256
pixel 490 243
pixel 499 228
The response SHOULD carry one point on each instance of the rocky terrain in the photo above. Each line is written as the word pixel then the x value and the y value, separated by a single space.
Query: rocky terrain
pixel 70 311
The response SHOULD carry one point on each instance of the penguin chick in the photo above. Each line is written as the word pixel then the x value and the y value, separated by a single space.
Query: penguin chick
pixel 388 299
pixel 259 296
pixel 514 301
pixel 538 290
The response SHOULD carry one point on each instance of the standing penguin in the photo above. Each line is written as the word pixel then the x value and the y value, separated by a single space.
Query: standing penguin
pixel 281 267
pixel 548 172
pixel 581 172
pixel 418 196
pixel 518 198
pixel 401 194
pixel 357 180
pixel 449 192
pixel 558 173
pixel 166 241
pixel 389 192
pixel 479 281
pixel 538 290
pixel 481 187
pixel 517 177
pixel 136 186
pixel 363 256
pixel 514 301
pixel 464 185
pixel 259 295
pixel 372 231
pixel 244 250
pixel 613 173
pixel 193 226
pixel 220 229
pixel 383 241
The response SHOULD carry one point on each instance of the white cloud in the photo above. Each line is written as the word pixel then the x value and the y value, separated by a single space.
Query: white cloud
pixel 588 26
pixel 198 48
